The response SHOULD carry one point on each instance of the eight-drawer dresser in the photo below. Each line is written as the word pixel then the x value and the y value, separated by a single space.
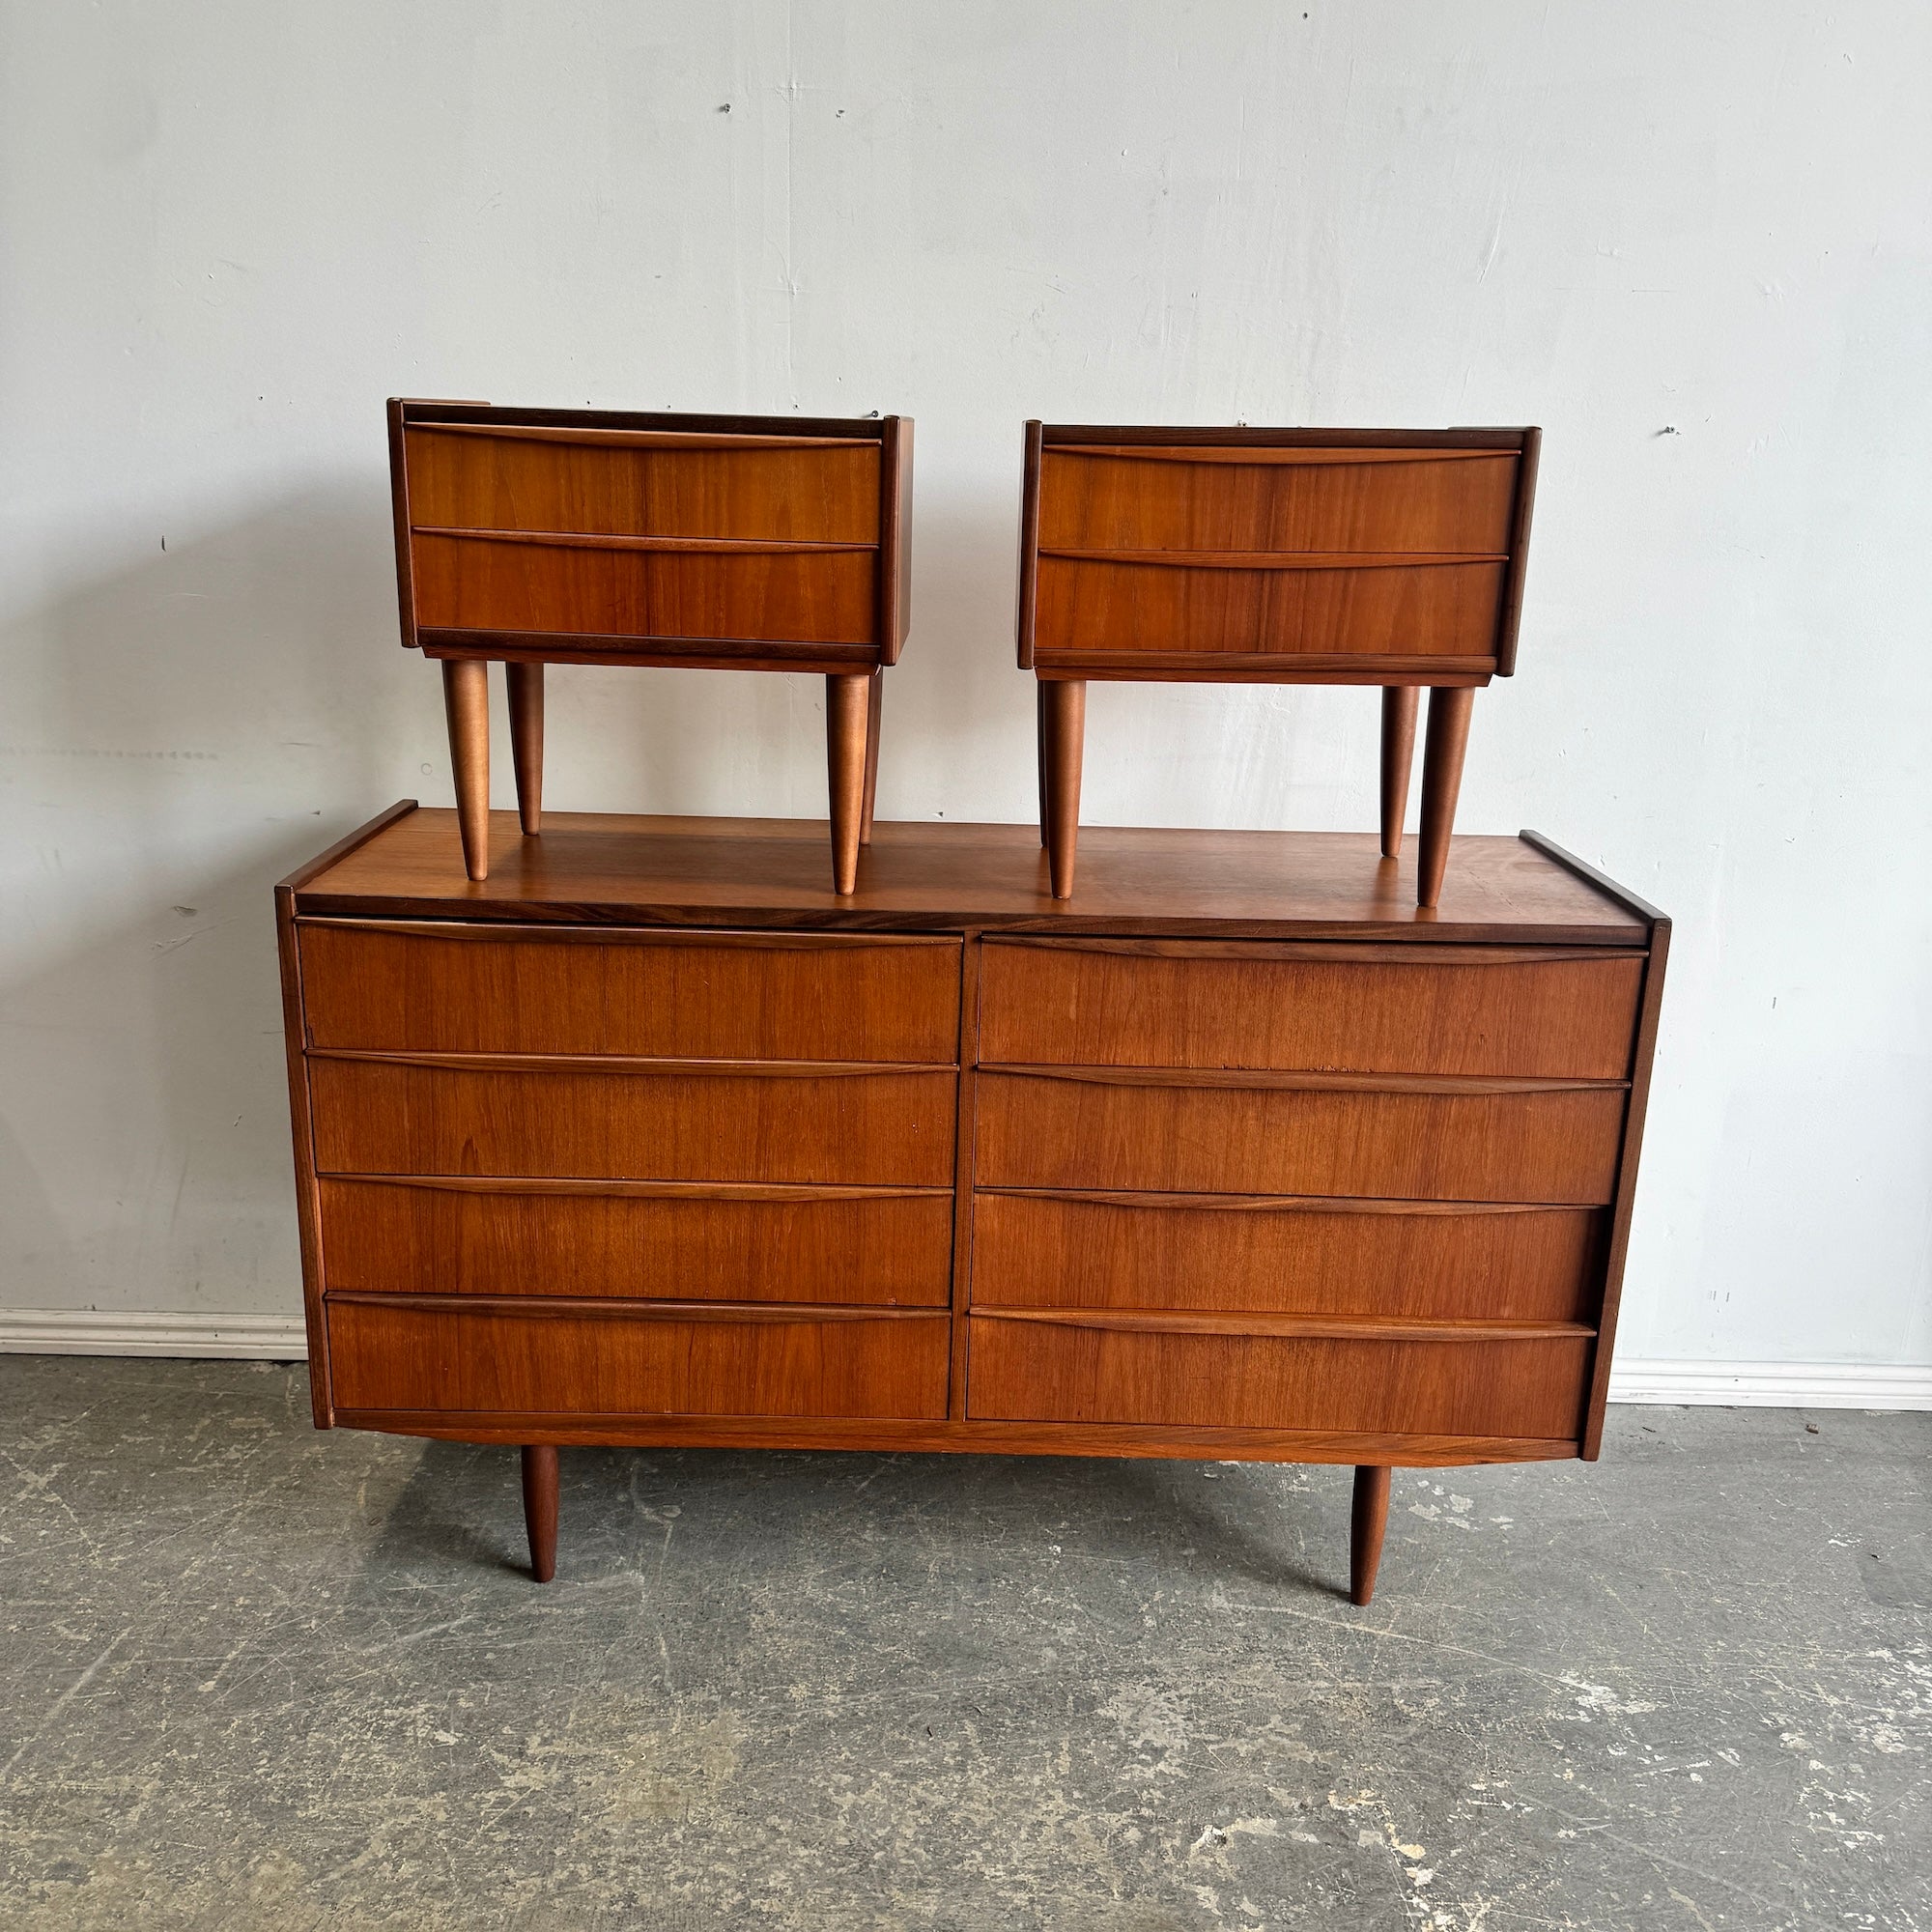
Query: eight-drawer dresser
pixel 650 1138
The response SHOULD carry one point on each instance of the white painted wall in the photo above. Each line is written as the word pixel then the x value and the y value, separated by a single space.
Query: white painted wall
pixel 1691 239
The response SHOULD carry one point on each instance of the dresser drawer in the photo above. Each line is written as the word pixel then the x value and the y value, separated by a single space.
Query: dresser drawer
pixel 1032 1371
pixel 679 1241
pixel 375 1116
pixel 1346 1008
pixel 537 1358
pixel 475 988
pixel 1260 1253
pixel 1105 1130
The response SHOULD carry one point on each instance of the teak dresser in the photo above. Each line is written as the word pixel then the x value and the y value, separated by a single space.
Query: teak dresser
pixel 649 1138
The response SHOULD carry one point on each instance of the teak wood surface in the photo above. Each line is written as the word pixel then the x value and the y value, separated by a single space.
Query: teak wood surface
pixel 581 536
pixel 651 1138
pixel 1391 558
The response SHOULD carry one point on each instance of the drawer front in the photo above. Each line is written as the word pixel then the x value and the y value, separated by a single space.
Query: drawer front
pixel 539 1360
pixel 1050 1371
pixel 1111 609
pixel 1432 1009
pixel 449 1237
pixel 487 584
pixel 726 996
pixel 737 489
pixel 1531 1145
pixel 1177 499
pixel 1352 1257
pixel 393 1117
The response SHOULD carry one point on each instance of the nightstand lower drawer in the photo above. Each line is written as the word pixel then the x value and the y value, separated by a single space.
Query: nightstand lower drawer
pixel 1098 1368
pixel 1286 1255
pixel 662 1240
pixel 540 1357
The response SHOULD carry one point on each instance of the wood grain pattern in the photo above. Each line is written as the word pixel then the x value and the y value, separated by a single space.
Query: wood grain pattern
pixel 1435 1010
pixel 593 869
pixel 471 988
pixel 1557 1146
pixel 466 700
pixel 679 1241
pixel 1398 760
pixel 1044 1372
pixel 541 1485
pixel 373 1117
pixel 399 1357
pixel 1311 1255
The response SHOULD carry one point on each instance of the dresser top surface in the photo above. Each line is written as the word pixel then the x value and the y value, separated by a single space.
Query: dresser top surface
pixel 619 870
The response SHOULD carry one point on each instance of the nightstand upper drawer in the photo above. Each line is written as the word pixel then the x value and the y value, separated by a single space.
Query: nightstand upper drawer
pixel 1498 1011
pixel 477 988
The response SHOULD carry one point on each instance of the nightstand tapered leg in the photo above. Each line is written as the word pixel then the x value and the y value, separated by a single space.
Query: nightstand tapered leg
pixel 875 704
pixel 1449 709
pixel 845 708
pixel 1398 705
pixel 526 742
pixel 540 1486
pixel 1039 757
pixel 1065 717
pixel 465 698
pixel 1367 1521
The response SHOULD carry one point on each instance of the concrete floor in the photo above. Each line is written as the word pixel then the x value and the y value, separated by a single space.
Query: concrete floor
pixel 252 1675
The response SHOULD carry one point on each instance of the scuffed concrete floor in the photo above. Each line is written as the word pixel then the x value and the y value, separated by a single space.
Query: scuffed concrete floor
pixel 252 1675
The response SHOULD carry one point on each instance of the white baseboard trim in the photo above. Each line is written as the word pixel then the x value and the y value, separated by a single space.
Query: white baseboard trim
pixel 87 1331
pixel 282 1338
pixel 1773 1385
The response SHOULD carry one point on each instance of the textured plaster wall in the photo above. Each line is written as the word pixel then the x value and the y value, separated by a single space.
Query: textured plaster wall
pixel 1691 240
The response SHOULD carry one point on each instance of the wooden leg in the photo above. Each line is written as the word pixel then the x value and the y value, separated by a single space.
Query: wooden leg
pixel 845 708
pixel 1065 719
pixel 1368 1519
pixel 1040 754
pixel 1449 708
pixel 1398 701
pixel 526 713
pixel 875 702
pixel 540 1509
pixel 466 698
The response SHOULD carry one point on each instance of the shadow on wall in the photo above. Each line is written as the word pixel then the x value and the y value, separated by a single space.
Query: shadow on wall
pixel 213 716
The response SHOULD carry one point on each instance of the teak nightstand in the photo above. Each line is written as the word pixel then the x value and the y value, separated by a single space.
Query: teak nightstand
pixel 583 536
pixel 1275 556
pixel 652 1139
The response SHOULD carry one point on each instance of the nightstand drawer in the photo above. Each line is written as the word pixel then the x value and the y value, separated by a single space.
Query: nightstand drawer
pixel 1421 1140
pixel 695 1122
pixel 539 1359
pixel 477 988
pixel 1468 1261
pixel 1099 1369
pixel 669 1240
pixel 1313 1007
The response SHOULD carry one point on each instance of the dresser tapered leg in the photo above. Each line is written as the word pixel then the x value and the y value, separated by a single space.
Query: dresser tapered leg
pixel 1367 1521
pixel 1449 709
pixel 540 1486
pixel 527 733
pixel 875 702
pixel 1398 705
pixel 465 698
pixel 845 708
pixel 1065 719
